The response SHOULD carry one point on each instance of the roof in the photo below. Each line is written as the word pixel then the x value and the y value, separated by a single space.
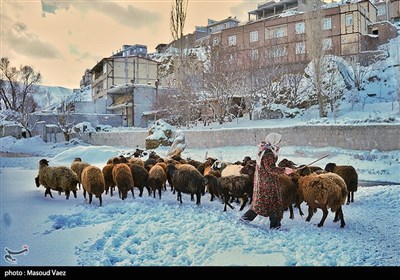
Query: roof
pixel 224 20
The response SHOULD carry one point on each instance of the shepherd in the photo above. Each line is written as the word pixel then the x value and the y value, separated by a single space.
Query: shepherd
pixel 267 198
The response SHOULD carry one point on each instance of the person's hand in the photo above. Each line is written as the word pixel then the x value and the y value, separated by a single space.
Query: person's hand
pixel 288 170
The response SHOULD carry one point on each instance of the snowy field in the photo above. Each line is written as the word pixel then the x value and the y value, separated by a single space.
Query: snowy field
pixel 147 231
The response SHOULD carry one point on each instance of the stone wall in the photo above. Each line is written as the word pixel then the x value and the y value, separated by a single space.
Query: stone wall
pixel 360 137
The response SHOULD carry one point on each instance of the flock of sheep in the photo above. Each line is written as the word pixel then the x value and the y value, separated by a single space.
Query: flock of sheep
pixel 325 189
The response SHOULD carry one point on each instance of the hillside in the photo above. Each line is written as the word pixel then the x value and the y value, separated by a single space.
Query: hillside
pixel 49 97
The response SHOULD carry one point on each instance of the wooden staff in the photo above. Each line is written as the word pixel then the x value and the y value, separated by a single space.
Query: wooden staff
pixel 312 162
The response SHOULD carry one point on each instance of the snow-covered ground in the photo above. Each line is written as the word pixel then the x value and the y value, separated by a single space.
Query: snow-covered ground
pixel 147 231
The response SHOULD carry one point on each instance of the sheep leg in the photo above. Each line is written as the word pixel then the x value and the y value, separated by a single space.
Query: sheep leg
pixel 227 203
pixel 66 194
pixel 198 198
pixel 297 205
pixel 84 193
pixel 133 194
pixel 341 217
pixel 243 202
pixel 140 192
pixel 159 192
pixel 37 181
pixel 324 215
pixel 348 198
pixel 90 198
pixel 191 197
pixel 291 212
pixel 179 196
pixel 148 190
pixel 47 191
pixel 310 213
pixel 101 201
pixel 74 192
pixel 352 196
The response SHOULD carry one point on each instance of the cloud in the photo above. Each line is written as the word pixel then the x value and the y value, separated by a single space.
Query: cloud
pixel 242 8
pixel 129 16
pixel 74 50
pixel 29 44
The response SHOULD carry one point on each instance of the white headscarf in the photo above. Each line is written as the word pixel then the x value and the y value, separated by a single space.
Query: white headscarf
pixel 273 139
pixel 272 143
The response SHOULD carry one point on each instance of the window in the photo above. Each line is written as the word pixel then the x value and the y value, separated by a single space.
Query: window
pixel 327 23
pixel 279 51
pixel 381 10
pixel 300 48
pixel 327 44
pixel 232 58
pixel 254 54
pixel 276 32
pixel 349 20
pixel 232 40
pixel 253 36
pixel 300 28
pixel 215 41
pixel 280 32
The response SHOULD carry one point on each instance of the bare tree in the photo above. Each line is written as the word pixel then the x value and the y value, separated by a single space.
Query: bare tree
pixel 17 85
pixel 360 78
pixel 333 85
pixel 178 18
pixel 222 83
pixel 291 82
pixel 180 97
pixel 315 45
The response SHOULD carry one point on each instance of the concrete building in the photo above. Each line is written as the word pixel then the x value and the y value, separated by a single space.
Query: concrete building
pixel 133 102
pixel 118 70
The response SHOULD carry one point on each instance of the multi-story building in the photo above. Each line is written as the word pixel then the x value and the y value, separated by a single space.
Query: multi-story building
pixel 276 32
pixel 388 10
pixel 127 81
pixel 86 79
pixel 279 35
pixel 117 70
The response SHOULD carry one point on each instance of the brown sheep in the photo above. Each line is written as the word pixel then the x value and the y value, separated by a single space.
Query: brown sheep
pixel 109 183
pixel 122 177
pixel 236 187
pixel 140 178
pixel 93 182
pixel 289 190
pixel 119 159
pixel 77 166
pixel 187 179
pixel 137 161
pixel 349 175
pixel 59 178
pixel 157 179
pixel 322 192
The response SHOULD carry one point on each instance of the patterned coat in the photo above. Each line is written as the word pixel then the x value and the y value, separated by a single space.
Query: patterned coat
pixel 267 197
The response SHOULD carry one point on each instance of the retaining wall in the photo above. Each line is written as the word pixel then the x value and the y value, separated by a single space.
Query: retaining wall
pixel 360 137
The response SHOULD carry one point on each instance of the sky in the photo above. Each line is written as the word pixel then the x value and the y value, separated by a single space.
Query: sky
pixel 61 39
